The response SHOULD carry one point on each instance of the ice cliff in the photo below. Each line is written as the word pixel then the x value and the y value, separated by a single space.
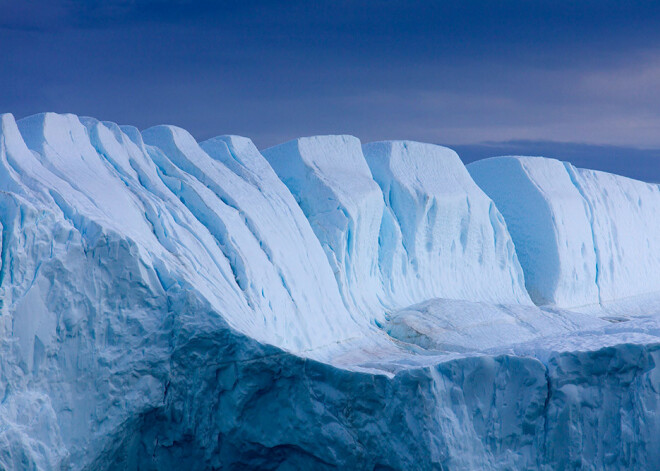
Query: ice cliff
pixel 583 237
pixel 169 304
pixel 401 222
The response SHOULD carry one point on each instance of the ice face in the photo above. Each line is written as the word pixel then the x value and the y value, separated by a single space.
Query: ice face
pixel 403 225
pixel 625 221
pixel 442 237
pixel 549 224
pixel 332 183
pixel 583 237
pixel 263 236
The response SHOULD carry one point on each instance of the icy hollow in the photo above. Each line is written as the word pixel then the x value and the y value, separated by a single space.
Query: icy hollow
pixel 169 304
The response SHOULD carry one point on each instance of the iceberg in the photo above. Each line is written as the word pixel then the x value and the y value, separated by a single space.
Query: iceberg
pixel 170 304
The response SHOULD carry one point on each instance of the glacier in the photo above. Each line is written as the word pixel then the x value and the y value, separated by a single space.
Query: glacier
pixel 321 304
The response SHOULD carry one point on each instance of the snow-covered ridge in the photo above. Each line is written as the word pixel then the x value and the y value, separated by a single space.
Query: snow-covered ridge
pixel 583 237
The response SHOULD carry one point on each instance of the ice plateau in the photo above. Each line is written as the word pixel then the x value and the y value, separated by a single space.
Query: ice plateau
pixel 169 304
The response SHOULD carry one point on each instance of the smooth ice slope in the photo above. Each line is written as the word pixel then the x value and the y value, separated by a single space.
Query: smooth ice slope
pixel 583 237
pixel 421 230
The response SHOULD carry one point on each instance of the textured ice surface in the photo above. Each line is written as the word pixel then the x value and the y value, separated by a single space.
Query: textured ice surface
pixel 441 236
pixel 333 185
pixel 173 305
pixel 583 237
pixel 404 225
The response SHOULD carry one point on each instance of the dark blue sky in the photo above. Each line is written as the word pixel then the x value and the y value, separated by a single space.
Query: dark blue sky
pixel 489 77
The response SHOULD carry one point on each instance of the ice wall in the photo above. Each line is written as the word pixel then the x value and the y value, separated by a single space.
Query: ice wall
pixel 583 237
pixel 441 235
pixel 238 238
pixel 403 225
pixel 333 185
pixel 576 410
pixel 108 244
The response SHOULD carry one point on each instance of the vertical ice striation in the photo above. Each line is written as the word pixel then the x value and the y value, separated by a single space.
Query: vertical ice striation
pixel 282 274
pixel 284 234
pixel 401 223
pixel 221 224
pixel 625 221
pixel 443 237
pixel 583 237
pixel 334 187
pixel 549 222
